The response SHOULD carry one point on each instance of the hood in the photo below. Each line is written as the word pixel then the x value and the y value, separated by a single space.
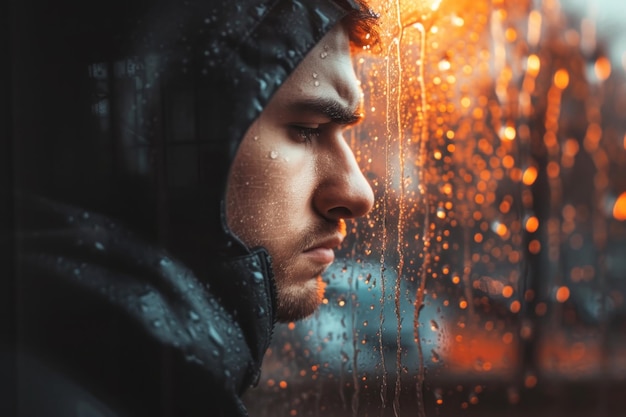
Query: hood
pixel 127 116
pixel 135 109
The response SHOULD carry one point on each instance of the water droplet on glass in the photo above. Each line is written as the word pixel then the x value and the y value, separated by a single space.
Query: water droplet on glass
pixel 260 10
pixel 273 154
pixel 195 359
pixel 323 55
pixel 255 138
pixel 433 325
pixel 258 277
pixel 315 75
pixel 215 336
pixel 316 83
pixel 157 323
pixel 192 332
pixel 193 316
pixel 99 246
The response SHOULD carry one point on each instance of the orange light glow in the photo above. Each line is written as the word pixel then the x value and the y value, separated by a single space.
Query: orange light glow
pixel 502 230
pixel 533 64
pixel 413 13
pixel 343 229
pixel 602 68
pixel 510 35
pixel 530 175
pixel 444 65
pixel 553 169
pixel 515 306
pixel 534 27
pixel 571 147
pixel 507 291
pixel 508 161
pixel 509 133
pixel 494 353
pixel 541 309
pixel 534 247
pixel 561 79
pixel 619 209
pixel 532 224
pixel 562 294
pixel 530 381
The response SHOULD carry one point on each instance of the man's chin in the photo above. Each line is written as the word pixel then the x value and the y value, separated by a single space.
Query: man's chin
pixel 299 301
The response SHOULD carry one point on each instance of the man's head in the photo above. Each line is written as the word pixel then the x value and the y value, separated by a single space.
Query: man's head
pixel 295 179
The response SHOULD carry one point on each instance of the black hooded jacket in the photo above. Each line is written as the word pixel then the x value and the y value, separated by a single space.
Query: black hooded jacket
pixel 131 296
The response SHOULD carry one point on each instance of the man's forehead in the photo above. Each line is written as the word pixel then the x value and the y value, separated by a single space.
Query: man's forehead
pixel 326 73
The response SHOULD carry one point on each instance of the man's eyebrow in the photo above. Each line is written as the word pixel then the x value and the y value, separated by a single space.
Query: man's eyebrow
pixel 334 110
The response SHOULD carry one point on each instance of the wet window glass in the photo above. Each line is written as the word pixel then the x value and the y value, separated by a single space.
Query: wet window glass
pixel 490 278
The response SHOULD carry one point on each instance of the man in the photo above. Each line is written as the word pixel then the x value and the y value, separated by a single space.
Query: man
pixel 145 287
pixel 294 179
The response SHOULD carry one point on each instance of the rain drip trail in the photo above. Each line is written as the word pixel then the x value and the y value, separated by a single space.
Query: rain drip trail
pixel 419 296
pixel 401 208
pixel 383 249
pixel 355 345
pixel 353 316
pixel 388 170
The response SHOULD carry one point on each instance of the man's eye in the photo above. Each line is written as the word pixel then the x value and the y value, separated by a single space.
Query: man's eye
pixel 307 134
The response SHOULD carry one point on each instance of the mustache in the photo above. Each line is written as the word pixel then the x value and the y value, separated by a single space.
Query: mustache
pixel 317 232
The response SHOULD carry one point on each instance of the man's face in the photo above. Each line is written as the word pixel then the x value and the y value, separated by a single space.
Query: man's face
pixel 294 178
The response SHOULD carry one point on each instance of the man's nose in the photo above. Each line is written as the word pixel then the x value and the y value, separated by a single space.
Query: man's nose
pixel 343 191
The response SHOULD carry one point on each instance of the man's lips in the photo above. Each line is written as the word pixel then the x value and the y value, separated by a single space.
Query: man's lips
pixel 323 251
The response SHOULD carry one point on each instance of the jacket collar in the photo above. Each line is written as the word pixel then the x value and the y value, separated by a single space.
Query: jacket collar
pixel 247 291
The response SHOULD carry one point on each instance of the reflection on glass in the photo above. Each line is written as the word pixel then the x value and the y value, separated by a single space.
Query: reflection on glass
pixel 490 278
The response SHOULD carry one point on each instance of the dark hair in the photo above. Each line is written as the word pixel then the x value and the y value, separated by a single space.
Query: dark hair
pixel 362 24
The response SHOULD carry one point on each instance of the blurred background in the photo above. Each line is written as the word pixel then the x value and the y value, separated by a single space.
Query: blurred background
pixel 490 278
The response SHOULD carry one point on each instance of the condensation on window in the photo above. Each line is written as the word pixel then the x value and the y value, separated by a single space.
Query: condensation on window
pixel 490 277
